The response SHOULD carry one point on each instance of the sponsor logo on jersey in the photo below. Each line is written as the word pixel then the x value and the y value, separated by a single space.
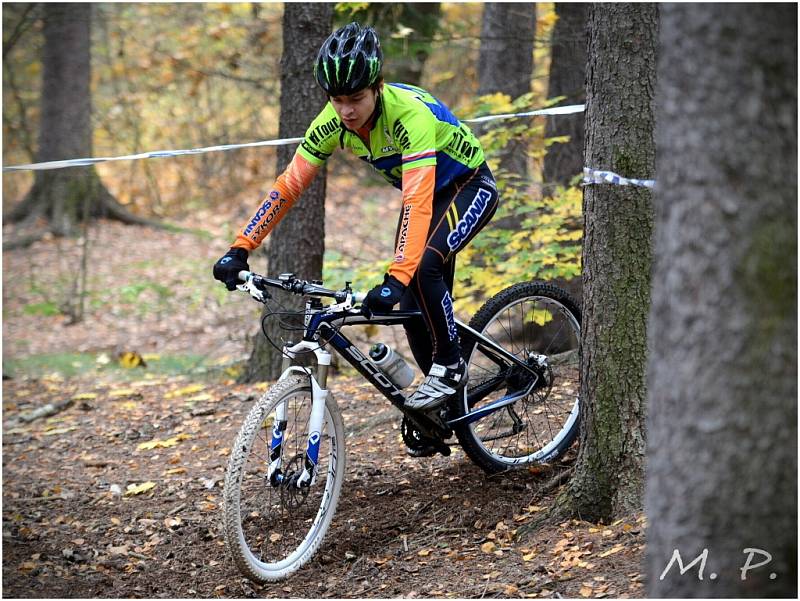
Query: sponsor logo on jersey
pixel 265 215
pixel 401 136
pixel 467 223
pixel 488 181
pixel 320 132
pixel 447 305
pixel 400 255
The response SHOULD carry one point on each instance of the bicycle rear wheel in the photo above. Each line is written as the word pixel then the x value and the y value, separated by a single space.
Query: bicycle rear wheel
pixel 540 325
pixel 272 528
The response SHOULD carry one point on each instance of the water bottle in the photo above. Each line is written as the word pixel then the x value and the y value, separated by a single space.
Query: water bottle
pixel 392 364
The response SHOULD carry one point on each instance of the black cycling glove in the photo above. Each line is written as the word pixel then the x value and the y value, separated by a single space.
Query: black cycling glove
pixel 227 269
pixel 384 296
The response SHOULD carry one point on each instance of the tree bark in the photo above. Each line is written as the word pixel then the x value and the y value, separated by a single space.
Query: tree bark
pixel 722 453
pixel 505 64
pixel 297 243
pixel 564 161
pixel 618 221
pixel 65 128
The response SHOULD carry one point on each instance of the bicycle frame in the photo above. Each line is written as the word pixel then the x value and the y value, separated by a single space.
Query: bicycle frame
pixel 325 325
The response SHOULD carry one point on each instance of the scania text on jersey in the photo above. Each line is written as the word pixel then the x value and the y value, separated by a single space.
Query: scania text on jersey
pixel 470 219
pixel 376 373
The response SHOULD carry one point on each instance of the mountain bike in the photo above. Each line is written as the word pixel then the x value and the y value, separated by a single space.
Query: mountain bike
pixel 287 465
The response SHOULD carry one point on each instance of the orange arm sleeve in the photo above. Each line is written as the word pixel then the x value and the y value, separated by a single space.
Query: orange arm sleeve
pixel 418 187
pixel 287 189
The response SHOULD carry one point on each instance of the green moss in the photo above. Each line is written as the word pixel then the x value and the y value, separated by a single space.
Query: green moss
pixel 768 275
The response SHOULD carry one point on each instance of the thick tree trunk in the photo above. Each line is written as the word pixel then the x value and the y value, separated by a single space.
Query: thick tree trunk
pixel 65 130
pixel 505 64
pixel 297 243
pixel 722 448
pixel 564 161
pixel 609 476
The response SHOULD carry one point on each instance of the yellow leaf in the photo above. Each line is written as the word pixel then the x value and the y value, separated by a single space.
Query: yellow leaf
pixel 137 489
pixel 191 389
pixel 84 396
pixel 131 359
pixel 200 397
pixel 424 552
pixel 124 392
pixel 488 547
pixel 175 470
pixel 585 591
pixel 162 444
pixel 128 406
pixel 60 430
pixel 528 557
pixel 151 357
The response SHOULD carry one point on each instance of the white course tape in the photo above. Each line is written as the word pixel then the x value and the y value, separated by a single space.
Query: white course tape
pixel 595 176
pixel 157 154
pixel 561 110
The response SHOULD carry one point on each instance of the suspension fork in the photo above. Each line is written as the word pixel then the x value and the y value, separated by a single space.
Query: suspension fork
pixel 319 396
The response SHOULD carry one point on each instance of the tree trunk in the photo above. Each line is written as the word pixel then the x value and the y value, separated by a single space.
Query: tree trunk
pixel 505 64
pixel 564 161
pixel 297 243
pixel 616 258
pixel 65 128
pixel 722 452
pixel 423 17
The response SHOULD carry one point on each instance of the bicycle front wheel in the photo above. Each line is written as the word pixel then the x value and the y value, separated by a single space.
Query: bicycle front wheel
pixel 540 325
pixel 272 526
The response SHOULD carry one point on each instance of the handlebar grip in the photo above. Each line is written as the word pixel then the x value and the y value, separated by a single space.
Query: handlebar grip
pixel 244 275
pixel 359 297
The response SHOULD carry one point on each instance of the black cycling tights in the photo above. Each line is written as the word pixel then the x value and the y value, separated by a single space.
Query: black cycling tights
pixel 460 210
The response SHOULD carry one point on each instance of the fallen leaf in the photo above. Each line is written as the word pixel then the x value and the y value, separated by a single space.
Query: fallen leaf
pixel 616 549
pixel 585 591
pixel 191 389
pixel 488 547
pixel 424 552
pixel 275 537
pixel 162 444
pixel 60 430
pixel 84 396
pixel 131 359
pixel 528 557
pixel 137 489
pixel 122 392
pixel 175 470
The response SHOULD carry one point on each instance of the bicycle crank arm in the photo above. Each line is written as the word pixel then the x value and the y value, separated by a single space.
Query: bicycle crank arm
pixel 505 401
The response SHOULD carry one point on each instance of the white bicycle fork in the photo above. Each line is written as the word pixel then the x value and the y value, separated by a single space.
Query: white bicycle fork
pixel 319 395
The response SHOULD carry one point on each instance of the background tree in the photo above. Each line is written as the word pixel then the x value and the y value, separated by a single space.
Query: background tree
pixel 505 64
pixel 297 243
pixel 722 425
pixel 64 196
pixel 564 161
pixel 405 29
pixel 618 222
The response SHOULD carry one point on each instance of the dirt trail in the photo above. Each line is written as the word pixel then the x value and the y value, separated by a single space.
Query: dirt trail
pixel 404 527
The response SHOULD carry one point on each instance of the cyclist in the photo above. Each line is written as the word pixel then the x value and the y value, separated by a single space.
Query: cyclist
pixel 449 194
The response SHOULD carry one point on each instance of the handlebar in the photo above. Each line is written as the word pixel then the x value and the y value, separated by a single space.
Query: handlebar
pixel 290 283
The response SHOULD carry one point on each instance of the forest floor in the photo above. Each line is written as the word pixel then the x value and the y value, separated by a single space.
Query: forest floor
pixel 89 511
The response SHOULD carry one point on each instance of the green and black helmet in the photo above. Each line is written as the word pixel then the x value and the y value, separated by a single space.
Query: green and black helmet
pixel 349 60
